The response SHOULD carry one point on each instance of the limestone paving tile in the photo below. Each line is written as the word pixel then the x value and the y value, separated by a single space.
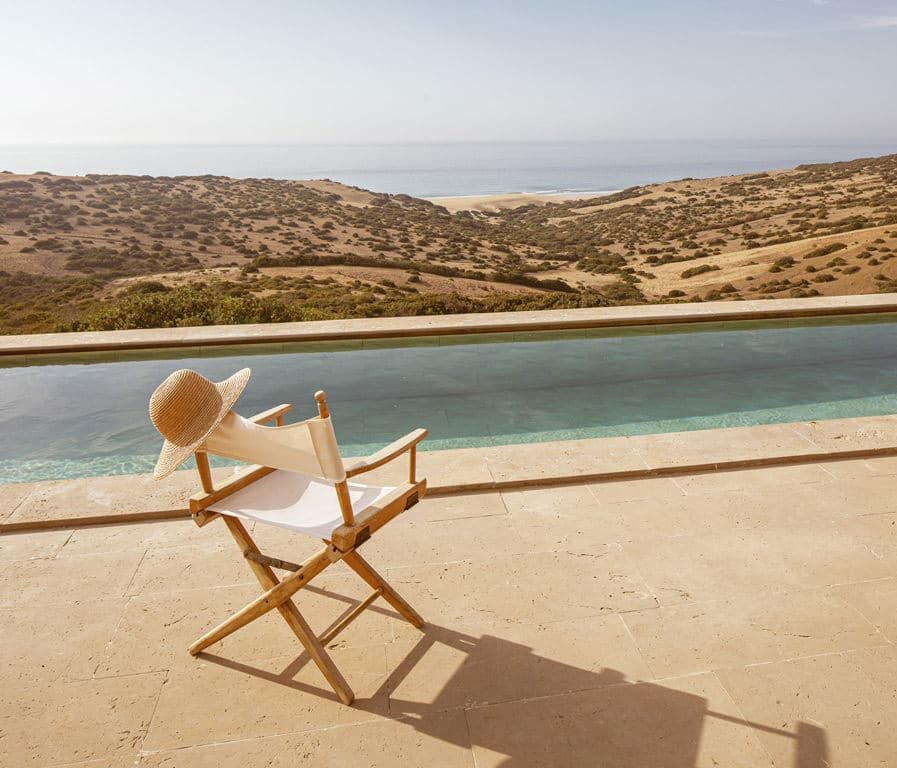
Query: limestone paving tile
pixel 636 490
pixel 74 721
pixel 427 740
pixel 162 533
pixel 26 546
pixel 804 505
pixel 552 503
pixel 876 601
pixel 764 479
pixel 100 496
pixel 849 434
pixel 565 517
pixel 686 722
pixel 12 495
pixel 63 580
pixel 685 639
pixel 873 494
pixel 458 507
pixel 40 648
pixel 801 505
pixel 744 563
pixel 886 465
pixel 168 569
pixel 411 542
pixel 861 468
pixel 840 708
pixel 528 588
pixel 690 516
pixel 221 699
pixel 538 461
pixel 721 445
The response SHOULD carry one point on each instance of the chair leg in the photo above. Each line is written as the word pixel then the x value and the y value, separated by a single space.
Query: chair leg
pixel 313 646
pixel 358 564
pixel 291 615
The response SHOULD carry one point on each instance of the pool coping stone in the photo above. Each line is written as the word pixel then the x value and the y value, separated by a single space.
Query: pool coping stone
pixel 437 325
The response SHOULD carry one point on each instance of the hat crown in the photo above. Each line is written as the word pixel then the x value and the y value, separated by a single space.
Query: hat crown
pixel 185 407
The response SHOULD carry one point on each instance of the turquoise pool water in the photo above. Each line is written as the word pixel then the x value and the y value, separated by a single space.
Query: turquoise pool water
pixel 78 416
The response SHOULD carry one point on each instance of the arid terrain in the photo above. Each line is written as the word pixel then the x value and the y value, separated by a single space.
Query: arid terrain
pixel 105 252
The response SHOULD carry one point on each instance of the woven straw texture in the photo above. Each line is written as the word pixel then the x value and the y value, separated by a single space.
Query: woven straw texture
pixel 185 408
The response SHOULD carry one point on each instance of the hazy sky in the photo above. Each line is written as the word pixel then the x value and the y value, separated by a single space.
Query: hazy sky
pixel 395 71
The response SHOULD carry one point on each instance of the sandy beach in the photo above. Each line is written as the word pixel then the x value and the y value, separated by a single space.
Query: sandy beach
pixel 489 203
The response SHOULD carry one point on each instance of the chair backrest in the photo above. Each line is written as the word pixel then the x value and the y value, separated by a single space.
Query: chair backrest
pixel 306 447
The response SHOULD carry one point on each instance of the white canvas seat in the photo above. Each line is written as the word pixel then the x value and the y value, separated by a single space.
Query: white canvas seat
pixel 298 502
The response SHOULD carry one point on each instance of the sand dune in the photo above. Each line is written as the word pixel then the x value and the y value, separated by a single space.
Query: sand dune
pixel 491 203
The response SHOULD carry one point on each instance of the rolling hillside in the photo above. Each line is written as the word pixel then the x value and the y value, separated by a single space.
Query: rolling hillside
pixel 102 252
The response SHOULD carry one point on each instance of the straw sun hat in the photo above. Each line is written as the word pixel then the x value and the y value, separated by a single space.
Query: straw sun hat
pixel 186 408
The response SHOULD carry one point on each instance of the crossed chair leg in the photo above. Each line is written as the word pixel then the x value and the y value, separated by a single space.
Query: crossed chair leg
pixel 278 594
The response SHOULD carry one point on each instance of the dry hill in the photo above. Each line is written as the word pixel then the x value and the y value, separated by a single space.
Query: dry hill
pixel 100 252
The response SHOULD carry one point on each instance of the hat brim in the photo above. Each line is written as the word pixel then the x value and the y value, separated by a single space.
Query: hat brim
pixel 172 455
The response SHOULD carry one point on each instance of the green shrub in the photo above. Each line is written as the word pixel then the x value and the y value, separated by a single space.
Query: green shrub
pixel 780 264
pixel 825 250
pixel 699 270
pixel 602 263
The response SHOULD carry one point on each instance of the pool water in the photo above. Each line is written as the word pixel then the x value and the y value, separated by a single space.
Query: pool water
pixel 89 417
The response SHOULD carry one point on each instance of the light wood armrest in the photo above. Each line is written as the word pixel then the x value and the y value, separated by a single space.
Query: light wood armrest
pixel 370 520
pixel 274 414
pixel 387 454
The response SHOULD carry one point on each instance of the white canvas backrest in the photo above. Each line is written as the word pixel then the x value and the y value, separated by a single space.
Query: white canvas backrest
pixel 308 447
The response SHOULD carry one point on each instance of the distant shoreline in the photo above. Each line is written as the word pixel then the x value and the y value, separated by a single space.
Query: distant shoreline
pixel 447 170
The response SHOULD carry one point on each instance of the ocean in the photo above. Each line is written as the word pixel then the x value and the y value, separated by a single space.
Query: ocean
pixel 437 170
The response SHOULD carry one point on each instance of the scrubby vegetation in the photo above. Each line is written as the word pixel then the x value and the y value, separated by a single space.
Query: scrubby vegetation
pixel 202 305
pixel 100 252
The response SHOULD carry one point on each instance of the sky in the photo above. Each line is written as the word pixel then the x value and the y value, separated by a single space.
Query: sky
pixel 394 71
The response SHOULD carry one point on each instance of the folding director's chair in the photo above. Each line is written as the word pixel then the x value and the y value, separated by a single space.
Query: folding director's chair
pixel 299 482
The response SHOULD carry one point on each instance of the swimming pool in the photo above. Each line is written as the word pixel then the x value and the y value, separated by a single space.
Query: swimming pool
pixel 80 416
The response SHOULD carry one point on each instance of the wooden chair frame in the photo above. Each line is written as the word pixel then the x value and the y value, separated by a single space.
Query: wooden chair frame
pixel 342 545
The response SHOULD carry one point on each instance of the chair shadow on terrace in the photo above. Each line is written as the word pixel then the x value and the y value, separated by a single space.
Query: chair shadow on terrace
pixel 551 713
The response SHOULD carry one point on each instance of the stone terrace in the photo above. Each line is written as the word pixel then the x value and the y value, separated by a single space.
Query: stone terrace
pixel 739 618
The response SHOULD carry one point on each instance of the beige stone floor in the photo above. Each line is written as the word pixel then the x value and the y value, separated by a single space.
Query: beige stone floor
pixel 743 618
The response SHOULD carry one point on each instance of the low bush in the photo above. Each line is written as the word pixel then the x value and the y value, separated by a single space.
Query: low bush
pixel 699 270
pixel 825 250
